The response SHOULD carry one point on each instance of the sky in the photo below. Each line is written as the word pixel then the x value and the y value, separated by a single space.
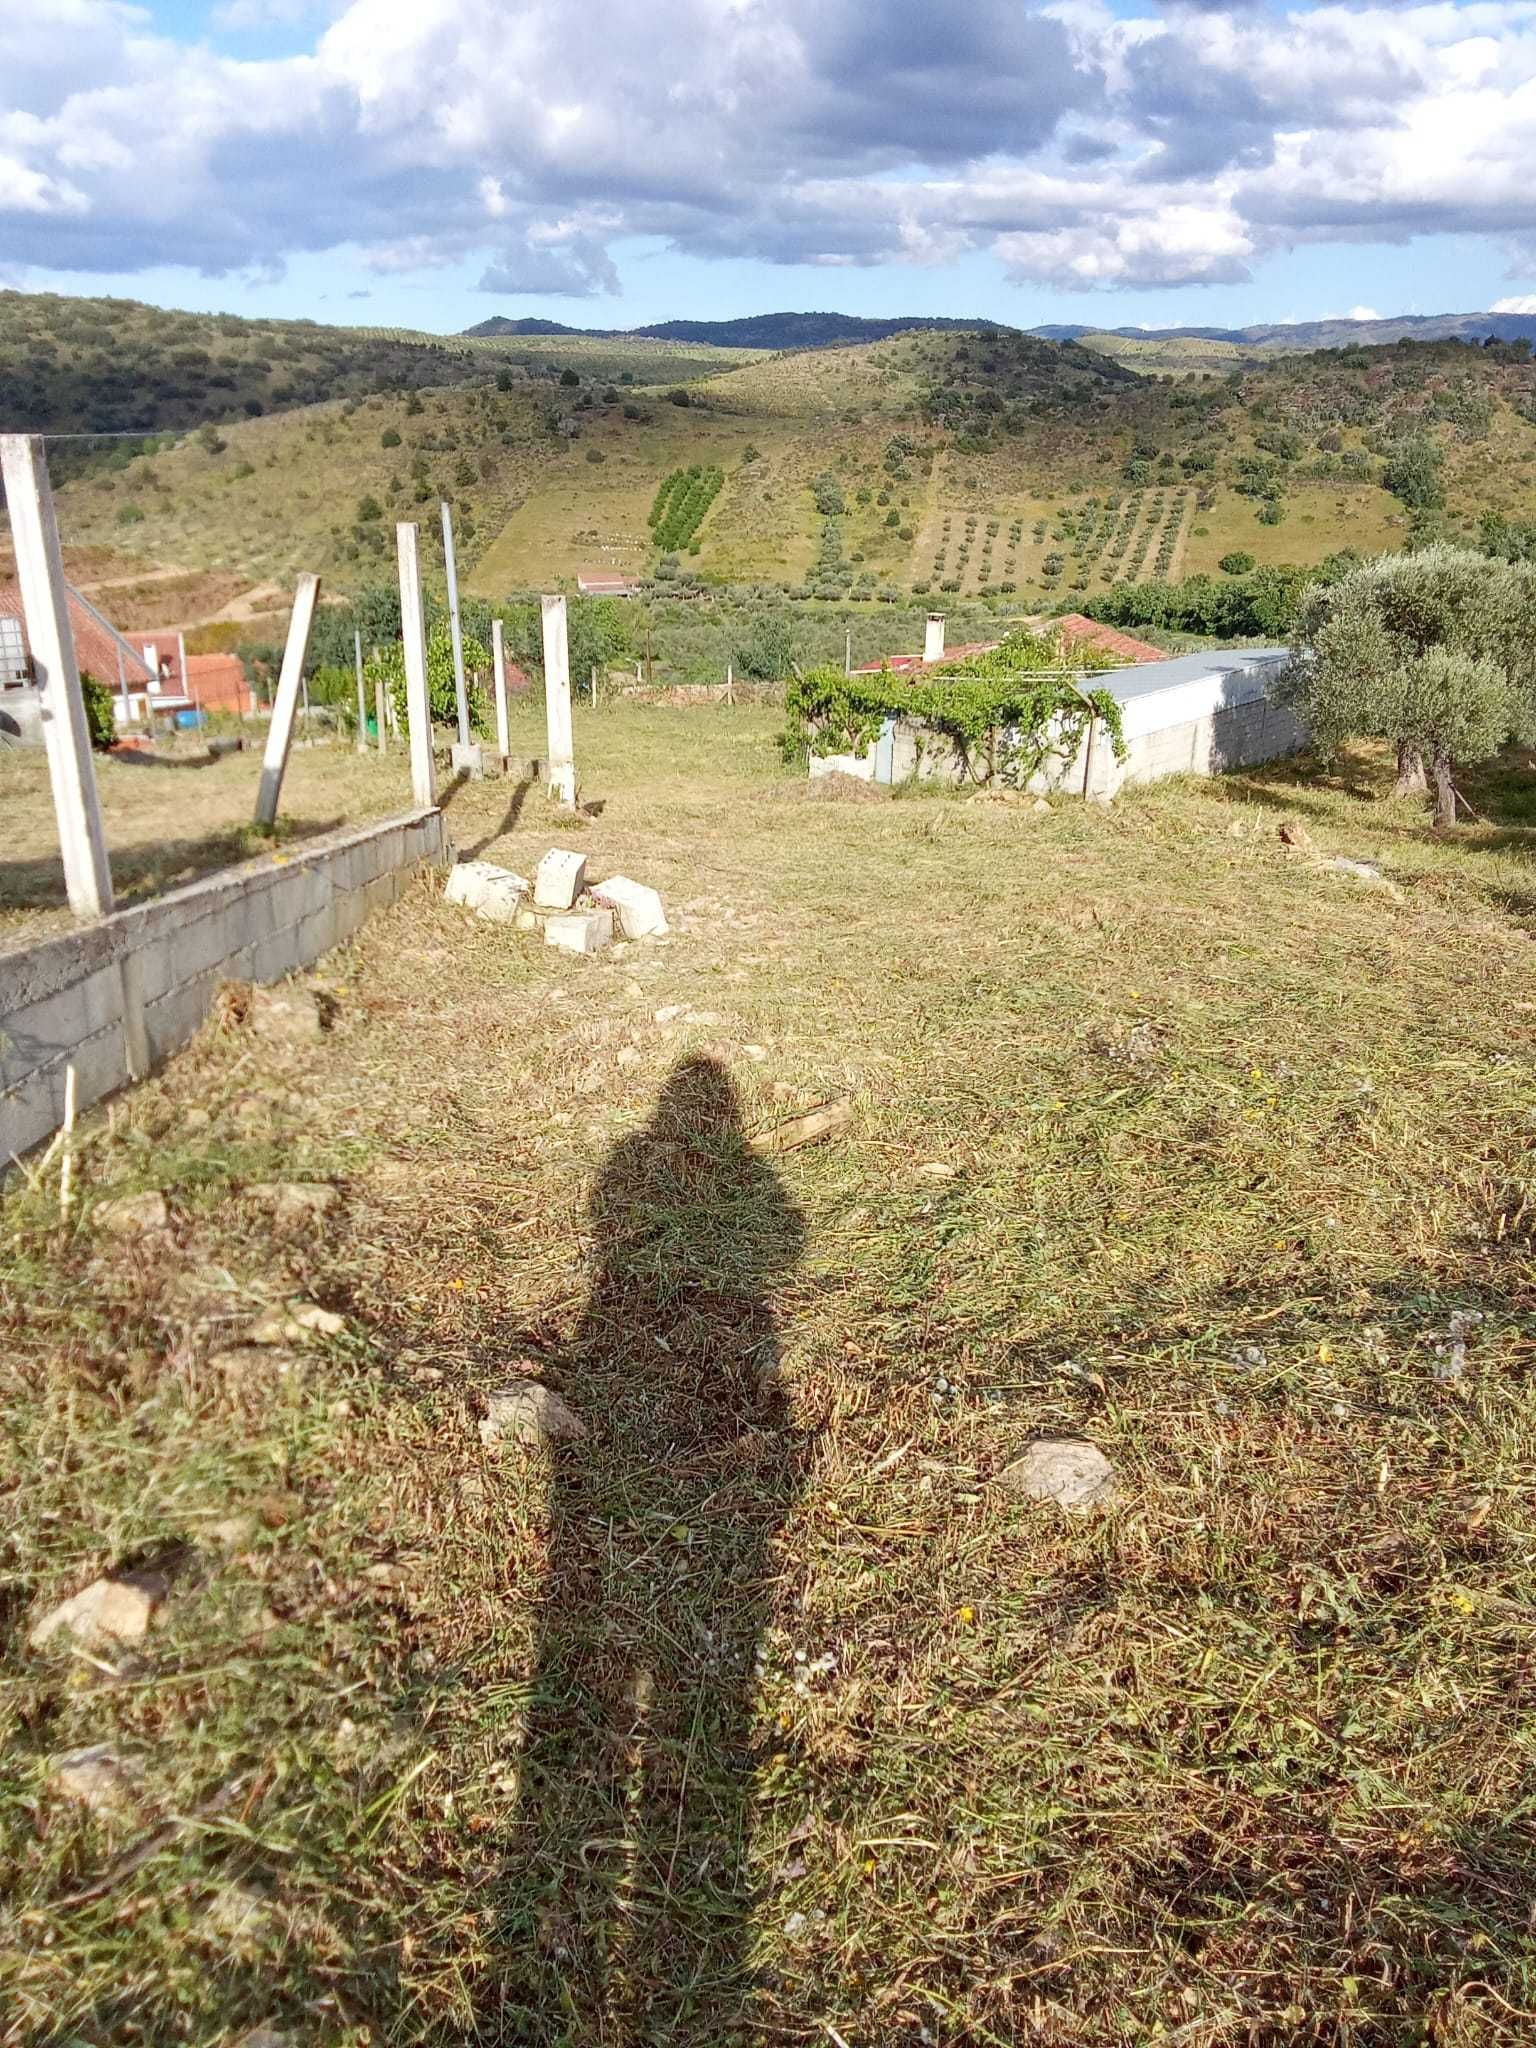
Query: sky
pixel 428 163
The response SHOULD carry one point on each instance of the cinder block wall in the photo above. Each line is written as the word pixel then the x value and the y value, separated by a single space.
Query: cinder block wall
pixel 117 997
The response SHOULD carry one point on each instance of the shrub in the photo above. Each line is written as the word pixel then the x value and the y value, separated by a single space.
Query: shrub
pixel 390 438
pixel 369 508
pixel 679 397
pixel 569 379
pixel 99 722
pixel 596 455
pixel 1237 563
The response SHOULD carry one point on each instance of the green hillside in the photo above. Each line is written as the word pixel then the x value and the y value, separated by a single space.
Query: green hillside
pixel 989 466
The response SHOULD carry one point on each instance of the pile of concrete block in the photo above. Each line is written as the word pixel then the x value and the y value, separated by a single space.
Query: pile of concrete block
pixel 578 916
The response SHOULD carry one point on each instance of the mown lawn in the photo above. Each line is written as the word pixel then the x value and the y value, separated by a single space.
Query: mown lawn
pixel 762 1712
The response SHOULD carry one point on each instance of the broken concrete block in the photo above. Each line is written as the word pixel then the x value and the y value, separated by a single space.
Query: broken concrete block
pixel 132 1215
pixel 468 761
pixel 491 892
pixel 558 879
pixel 824 1122
pixel 580 931
pixel 636 908
pixel 116 1609
pixel 530 1414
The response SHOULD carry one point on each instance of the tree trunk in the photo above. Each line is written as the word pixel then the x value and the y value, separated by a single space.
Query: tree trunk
pixel 1410 771
pixel 1445 796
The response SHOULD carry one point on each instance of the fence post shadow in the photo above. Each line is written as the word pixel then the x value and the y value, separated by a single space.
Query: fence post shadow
pixel 622 1901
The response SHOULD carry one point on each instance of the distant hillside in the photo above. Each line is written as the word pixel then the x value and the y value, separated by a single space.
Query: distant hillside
pixel 72 365
pixel 1316 334
pixel 757 330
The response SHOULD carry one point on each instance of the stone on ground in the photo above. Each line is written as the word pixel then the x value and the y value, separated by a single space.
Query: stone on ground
pixel 132 1215
pixel 558 879
pixel 524 1412
pixel 491 892
pixel 96 1778
pixel 239 1364
pixel 297 1322
pixel 289 1015
pixel 1070 1471
pixel 293 1202
pixel 579 931
pixel 636 909
pixel 1292 834
pixel 116 1609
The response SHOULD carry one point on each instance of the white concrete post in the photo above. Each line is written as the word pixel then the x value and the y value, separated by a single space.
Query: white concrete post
pixel 45 612
pixel 362 695
pixel 379 717
pixel 274 762
pixel 418 700
pixel 499 673
pixel 181 655
pixel 557 702
pixel 460 692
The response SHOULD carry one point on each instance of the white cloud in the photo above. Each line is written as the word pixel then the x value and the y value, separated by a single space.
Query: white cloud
pixel 1176 148
pixel 1524 303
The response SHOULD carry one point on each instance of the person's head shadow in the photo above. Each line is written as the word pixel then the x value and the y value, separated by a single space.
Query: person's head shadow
pixel 623 1900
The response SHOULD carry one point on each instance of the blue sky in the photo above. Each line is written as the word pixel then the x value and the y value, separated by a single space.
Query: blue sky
pixel 1158 165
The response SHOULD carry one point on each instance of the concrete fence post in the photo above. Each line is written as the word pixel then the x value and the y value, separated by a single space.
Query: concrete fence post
pixel 274 762
pixel 362 695
pixel 467 757
pixel 418 700
pixel 66 734
pixel 557 702
pixel 499 676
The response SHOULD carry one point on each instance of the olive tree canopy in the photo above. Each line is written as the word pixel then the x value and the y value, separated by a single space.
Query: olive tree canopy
pixel 1434 651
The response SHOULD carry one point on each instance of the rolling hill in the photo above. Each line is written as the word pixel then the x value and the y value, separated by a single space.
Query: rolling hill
pixel 979 466
pixel 757 330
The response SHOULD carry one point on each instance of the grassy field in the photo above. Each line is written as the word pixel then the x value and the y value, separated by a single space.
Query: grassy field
pixel 764 1712
pixel 175 815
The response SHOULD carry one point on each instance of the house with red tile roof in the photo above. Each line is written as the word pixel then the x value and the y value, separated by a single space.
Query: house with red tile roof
pixel 1077 627
pixel 100 650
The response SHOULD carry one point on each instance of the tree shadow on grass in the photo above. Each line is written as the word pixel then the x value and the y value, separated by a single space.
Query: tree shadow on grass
pixel 622 1903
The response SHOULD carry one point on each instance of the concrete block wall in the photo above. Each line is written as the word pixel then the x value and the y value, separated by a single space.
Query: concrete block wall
pixel 116 997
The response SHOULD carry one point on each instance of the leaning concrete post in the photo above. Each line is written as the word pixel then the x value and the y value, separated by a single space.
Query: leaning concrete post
pixel 45 612
pixel 274 762
pixel 499 672
pixel 362 695
pixel 418 700
pixel 557 702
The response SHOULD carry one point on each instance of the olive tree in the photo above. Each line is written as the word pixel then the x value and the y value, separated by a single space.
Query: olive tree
pixel 1434 651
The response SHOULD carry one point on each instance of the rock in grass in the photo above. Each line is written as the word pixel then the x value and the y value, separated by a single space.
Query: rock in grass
pixel 524 1412
pixel 1070 1471
pixel 239 1364
pixel 297 1322
pixel 132 1215
pixel 113 1610
pixel 1292 834
pixel 293 1203
pixel 288 1015
pixel 825 1122
pixel 265 2037
pixel 96 1778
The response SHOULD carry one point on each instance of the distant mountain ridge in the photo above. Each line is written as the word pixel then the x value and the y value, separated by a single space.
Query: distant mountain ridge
pixel 835 330
pixel 754 330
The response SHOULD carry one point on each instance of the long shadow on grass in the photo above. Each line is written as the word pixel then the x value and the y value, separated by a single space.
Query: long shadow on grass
pixel 139 872
pixel 623 1902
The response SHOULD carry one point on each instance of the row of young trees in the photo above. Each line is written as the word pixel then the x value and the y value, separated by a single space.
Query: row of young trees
pixel 681 503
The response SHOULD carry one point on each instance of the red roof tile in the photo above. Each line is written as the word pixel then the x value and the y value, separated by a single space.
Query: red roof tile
pixel 1076 626
pixel 98 644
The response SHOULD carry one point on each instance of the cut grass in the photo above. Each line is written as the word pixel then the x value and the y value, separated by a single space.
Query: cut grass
pixel 762 1713
pixel 175 815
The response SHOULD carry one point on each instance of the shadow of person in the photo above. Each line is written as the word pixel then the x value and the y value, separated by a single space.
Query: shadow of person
pixel 624 1911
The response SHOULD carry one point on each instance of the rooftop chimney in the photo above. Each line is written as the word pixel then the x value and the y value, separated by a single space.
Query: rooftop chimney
pixel 933 637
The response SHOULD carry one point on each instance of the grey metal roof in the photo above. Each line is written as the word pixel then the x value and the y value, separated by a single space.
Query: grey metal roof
pixel 1149 676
